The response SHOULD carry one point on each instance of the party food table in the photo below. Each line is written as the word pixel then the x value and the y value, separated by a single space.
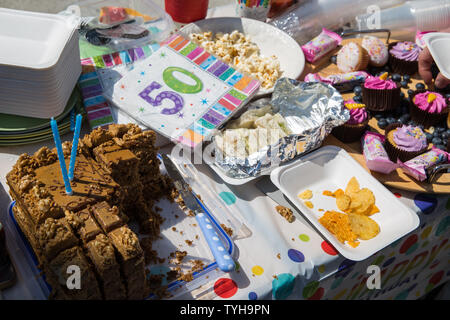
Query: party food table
pixel 295 262
pixel 275 258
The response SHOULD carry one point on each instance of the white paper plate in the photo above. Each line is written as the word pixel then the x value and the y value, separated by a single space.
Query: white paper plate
pixel 270 40
pixel 330 168
pixel 31 39
pixel 439 45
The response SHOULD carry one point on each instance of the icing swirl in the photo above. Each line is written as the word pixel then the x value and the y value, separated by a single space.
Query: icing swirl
pixel 432 104
pixel 357 115
pixel 410 138
pixel 379 84
pixel 406 50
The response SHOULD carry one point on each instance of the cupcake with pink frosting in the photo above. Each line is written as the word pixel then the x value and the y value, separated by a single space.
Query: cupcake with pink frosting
pixel 404 57
pixel 428 108
pixel 355 127
pixel 381 93
pixel 404 142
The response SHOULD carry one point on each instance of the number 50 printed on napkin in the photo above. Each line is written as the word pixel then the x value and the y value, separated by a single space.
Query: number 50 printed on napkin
pixel 182 91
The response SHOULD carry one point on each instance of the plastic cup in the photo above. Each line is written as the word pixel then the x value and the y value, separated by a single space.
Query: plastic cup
pixel 187 11
pixel 253 9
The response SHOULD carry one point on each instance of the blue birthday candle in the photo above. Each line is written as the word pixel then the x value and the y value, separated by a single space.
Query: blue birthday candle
pixel 61 156
pixel 73 154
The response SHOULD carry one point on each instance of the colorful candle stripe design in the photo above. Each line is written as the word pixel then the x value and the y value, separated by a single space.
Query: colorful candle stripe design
pixel 98 110
pixel 242 88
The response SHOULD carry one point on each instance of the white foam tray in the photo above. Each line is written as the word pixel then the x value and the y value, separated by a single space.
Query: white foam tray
pixel 330 168
pixel 439 45
pixel 32 40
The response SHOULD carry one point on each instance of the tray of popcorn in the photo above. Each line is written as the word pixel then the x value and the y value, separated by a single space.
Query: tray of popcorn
pixel 392 96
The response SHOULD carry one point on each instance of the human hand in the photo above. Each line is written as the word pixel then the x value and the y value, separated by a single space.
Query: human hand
pixel 425 63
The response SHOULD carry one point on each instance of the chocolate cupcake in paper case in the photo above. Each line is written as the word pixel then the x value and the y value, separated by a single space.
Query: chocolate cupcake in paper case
pixel 352 57
pixel 309 112
pixel 381 93
pixel 355 127
pixel 404 142
pixel 428 108
pixel 404 57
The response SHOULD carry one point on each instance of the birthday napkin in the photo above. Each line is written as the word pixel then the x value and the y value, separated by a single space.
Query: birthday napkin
pixel 182 91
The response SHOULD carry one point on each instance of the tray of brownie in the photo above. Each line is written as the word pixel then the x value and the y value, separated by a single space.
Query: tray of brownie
pixel 124 226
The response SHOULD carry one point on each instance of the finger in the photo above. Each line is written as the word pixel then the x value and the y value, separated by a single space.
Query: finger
pixel 441 81
pixel 425 63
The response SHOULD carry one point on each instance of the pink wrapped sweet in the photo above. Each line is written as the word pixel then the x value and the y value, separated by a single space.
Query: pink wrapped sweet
pixel 417 166
pixel 318 47
pixel 342 82
pixel 376 156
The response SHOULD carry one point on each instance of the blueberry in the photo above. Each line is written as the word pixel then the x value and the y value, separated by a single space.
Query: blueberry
pixel 387 68
pixel 448 132
pixel 410 92
pixel 396 77
pixel 440 129
pixel 447 96
pixel 436 133
pixel 378 116
pixel 357 90
pixel 333 59
pixel 441 147
pixel 407 78
pixel 404 84
pixel 405 118
pixel 429 137
pixel 411 123
pixel 405 109
pixel 391 120
pixel 421 126
pixel 382 124
pixel 357 99
pixel 420 86
pixel 436 141
pixel 445 135
pixel 402 95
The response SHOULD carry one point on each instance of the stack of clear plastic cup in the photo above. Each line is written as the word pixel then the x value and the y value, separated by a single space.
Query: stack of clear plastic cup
pixel 405 20
pixel 305 20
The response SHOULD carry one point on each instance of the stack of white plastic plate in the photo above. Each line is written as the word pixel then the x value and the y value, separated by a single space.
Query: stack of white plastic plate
pixel 39 63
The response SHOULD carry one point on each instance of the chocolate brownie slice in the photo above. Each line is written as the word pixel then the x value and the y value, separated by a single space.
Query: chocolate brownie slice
pixel 131 260
pixel 84 224
pixel 55 236
pixel 102 254
pixel 107 217
pixel 62 271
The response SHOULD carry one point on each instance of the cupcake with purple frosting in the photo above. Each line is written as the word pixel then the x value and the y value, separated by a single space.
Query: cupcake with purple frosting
pixel 428 108
pixel 404 57
pixel 381 93
pixel 404 142
pixel 355 127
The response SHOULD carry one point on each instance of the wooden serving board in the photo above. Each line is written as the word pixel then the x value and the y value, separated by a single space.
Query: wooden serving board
pixel 397 179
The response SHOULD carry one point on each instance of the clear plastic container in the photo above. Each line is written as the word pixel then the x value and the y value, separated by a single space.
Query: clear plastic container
pixel 305 20
pixel 185 226
pixel 405 20
pixel 107 15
